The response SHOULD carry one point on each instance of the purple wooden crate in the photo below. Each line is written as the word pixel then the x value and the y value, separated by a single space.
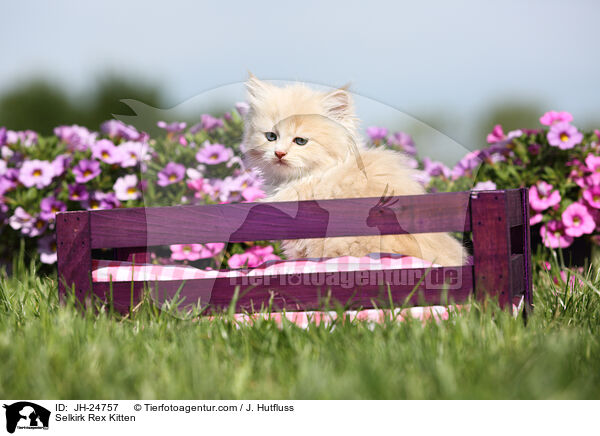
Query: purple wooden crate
pixel 498 219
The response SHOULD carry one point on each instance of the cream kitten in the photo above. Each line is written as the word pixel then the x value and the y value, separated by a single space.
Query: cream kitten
pixel 306 145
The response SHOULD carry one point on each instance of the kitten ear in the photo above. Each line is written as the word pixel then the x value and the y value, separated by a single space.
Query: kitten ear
pixel 256 88
pixel 339 103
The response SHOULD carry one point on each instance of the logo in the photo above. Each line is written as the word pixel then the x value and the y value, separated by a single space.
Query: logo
pixel 26 415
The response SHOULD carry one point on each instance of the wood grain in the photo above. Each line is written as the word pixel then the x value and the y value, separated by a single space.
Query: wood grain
pixel 242 222
pixel 311 291
pixel 491 246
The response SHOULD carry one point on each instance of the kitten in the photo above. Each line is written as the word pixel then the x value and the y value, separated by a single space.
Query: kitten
pixel 306 146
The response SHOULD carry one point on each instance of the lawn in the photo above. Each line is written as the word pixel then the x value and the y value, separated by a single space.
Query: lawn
pixel 51 350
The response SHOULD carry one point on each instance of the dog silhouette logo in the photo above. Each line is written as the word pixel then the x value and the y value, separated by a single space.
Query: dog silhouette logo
pixel 26 415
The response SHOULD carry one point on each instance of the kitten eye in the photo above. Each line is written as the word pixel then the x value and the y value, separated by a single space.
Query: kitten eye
pixel 270 136
pixel 300 141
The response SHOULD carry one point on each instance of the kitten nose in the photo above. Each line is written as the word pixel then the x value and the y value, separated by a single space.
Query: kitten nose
pixel 280 154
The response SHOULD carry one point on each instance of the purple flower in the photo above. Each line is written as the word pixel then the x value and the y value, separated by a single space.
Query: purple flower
pixel 564 136
pixel 553 117
pixel 26 138
pixel 484 186
pixel 49 207
pixel 207 122
pixel 107 152
pixel 126 188
pixel 108 200
pixel 377 133
pixel 60 164
pixel 421 177
pixel 10 178
pixel 37 227
pixel 171 173
pixel 38 173
pixel 2 136
pixel 116 129
pixel 534 149
pixel 76 137
pixel 553 235
pixel 213 154
pixel 577 220
pixel 404 141
pixel 133 153
pixel 3 167
pixel 101 200
pixel 467 164
pixel 541 196
pixel 47 249
pixel 171 127
pixel 78 193
pixel 20 219
pixel 435 169
pixel 86 170
pixel 242 107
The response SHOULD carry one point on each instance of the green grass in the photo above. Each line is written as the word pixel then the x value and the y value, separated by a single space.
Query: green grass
pixel 51 350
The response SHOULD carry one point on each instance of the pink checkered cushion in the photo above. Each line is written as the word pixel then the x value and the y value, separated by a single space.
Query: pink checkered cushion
pixel 118 271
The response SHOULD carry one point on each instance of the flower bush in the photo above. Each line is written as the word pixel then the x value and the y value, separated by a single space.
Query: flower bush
pixel 560 165
pixel 120 166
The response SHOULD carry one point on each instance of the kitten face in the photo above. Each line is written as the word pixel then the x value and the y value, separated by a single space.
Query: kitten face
pixel 295 131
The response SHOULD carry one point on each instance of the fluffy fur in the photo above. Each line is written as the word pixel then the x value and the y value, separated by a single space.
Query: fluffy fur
pixel 334 163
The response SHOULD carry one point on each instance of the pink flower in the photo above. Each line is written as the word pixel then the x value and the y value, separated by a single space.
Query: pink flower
pixel 195 251
pixel 211 249
pixel 253 257
pixel 592 196
pixel 577 220
pixel 497 134
pixel 564 136
pixel 553 117
pixel 185 251
pixel 553 235
pixel 541 196
pixel 537 218
pixel 592 163
pixel 196 185
pixel 252 193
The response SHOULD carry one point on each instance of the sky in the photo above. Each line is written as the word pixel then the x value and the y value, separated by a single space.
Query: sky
pixel 440 64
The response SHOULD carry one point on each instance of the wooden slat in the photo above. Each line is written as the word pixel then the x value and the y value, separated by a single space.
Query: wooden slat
pixel 275 221
pixel 527 250
pixel 517 274
pixel 491 246
pixel 74 252
pixel 295 292
pixel 514 199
